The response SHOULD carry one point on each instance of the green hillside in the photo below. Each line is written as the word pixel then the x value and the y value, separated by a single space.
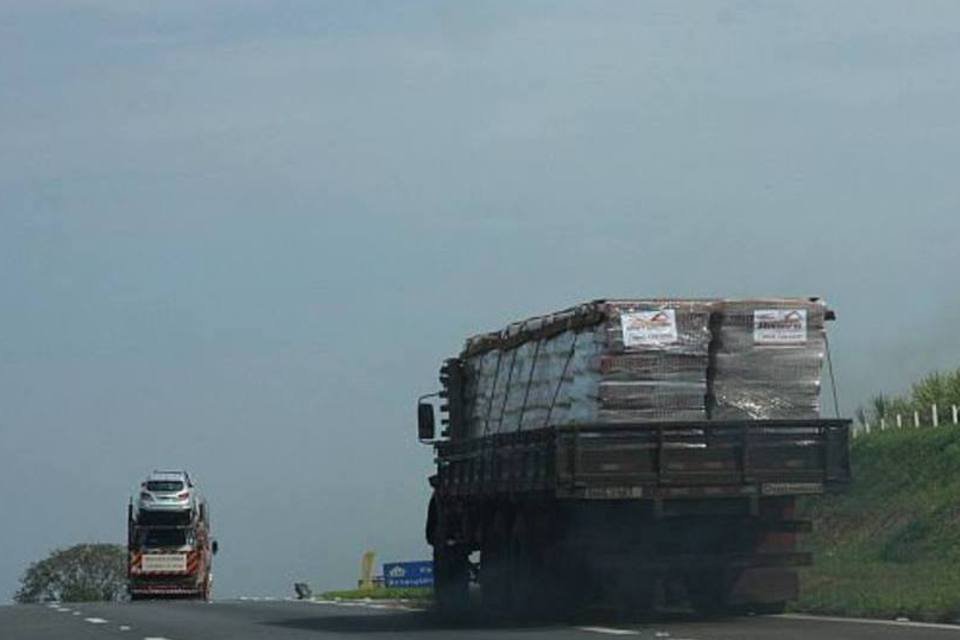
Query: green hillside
pixel 891 545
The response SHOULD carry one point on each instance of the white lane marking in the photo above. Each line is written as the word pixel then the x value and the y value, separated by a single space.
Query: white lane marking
pixel 398 606
pixel 77 613
pixel 154 638
pixel 124 627
pixel 892 623
pixel 610 631
pixel 96 620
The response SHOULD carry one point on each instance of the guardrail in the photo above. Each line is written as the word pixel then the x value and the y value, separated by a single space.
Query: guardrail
pixel 934 417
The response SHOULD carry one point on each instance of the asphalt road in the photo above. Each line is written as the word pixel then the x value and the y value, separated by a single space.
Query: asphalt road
pixel 284 620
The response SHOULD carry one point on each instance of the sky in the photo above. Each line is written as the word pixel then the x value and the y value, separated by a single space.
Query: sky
pixel 239 237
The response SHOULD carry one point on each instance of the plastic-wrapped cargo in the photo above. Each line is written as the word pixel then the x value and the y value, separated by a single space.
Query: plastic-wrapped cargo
pixel 656 359
pixel 604 361
pixel 767 359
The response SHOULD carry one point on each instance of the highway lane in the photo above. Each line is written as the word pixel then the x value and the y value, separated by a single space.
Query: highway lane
pixel 285 620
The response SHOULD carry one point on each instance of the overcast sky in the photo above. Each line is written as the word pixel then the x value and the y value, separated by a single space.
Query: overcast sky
pixel 239 237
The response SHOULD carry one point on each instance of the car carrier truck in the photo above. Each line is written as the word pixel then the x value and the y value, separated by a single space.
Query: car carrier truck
pixel 169 551
pixel 632 452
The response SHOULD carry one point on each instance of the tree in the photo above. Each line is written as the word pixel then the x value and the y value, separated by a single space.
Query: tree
pixel 938 388
pixel 82 573
pixel 879 404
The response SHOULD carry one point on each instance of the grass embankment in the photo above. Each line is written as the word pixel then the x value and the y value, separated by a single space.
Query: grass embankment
pixel 890 546
pixel 382 593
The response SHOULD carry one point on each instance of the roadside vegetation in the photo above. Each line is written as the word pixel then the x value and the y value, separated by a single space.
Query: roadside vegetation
pixel 890 546
pixel 940 388
pixel 82 573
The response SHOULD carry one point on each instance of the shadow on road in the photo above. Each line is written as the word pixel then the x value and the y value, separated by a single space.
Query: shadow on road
pixel 400 621
pixel 413 621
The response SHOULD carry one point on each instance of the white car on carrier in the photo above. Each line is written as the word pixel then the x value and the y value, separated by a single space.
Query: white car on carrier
pixel 171 492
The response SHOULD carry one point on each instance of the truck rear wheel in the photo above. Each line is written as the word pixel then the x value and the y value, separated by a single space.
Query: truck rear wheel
pixel 496 579
pixel 706 592
pixel 529 591
pixel 207 594
pixel 759 608
pixel 451 579
pixel 635 596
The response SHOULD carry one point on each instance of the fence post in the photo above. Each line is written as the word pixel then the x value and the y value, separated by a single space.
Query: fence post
pixel 916 418
pixel 933 414
pixel 899 421
pixel 883 424
pixel 866 426
pixel 955 414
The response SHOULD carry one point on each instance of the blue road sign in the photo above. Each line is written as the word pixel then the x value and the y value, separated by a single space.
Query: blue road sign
pixel 408 574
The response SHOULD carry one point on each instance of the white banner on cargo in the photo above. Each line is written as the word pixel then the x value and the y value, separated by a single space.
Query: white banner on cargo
pixel 163 562
pixel 649 328
pixel 780 326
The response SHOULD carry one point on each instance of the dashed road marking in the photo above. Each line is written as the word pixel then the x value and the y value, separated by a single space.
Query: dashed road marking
pixel 124 627
pixel 96 620
pixel 154 638
pixel 610 631
pixel 77 613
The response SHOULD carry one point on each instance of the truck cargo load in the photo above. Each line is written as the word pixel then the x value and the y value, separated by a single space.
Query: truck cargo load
pixel 653 444
pixel 768 358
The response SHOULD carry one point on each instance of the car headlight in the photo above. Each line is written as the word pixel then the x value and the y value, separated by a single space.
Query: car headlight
pixel 146 497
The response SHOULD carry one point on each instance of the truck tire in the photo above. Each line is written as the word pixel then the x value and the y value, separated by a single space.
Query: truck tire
pixel 451 579
pixel 767 608
pixel 706 592
pixel 207 593
pixel 496 565
pixel 529 593
pixel 635 596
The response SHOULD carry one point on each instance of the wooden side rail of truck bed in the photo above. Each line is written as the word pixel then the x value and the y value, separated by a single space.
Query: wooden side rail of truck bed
pixel 651 460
